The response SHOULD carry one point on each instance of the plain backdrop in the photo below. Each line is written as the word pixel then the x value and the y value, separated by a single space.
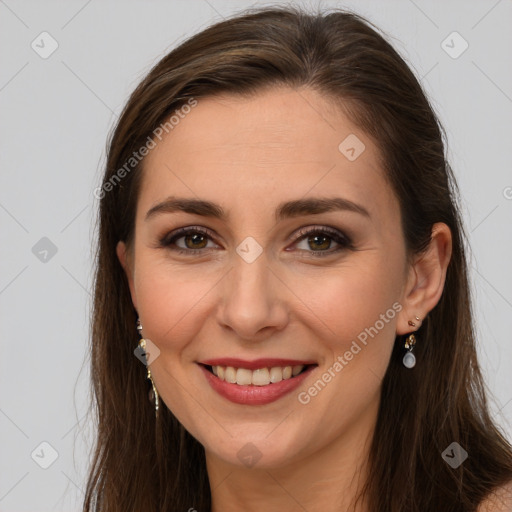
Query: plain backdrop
pixel 56 113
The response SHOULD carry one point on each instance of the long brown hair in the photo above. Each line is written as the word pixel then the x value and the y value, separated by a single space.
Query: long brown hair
pixel 144 464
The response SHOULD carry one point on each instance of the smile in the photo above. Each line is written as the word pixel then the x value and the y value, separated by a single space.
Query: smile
pixel 257 382
pixel 259 377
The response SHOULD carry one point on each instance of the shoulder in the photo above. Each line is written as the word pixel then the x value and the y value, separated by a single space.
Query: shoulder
pixel 500 500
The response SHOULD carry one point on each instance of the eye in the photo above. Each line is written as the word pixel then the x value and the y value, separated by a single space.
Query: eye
pixel 195 240
pixel 318 241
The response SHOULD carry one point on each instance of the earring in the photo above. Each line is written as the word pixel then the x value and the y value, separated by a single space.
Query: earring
pixel 412 324
pixel 409 359
pixel 153 393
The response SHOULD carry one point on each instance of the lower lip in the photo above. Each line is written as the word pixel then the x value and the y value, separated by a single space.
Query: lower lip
pixel 254 395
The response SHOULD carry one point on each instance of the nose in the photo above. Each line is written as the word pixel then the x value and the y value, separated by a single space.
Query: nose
pixel 253 300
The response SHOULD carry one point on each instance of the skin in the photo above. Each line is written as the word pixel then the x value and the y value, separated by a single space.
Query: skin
pixel 249 155
pixel 499 501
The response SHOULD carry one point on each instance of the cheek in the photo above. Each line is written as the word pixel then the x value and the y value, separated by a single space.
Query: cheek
pixel 350 300
pixel 172 302
pixel 173 307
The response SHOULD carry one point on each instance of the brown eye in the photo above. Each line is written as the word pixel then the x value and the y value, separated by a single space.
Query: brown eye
pixel 187 240
pixel 197 241
pixel 318 241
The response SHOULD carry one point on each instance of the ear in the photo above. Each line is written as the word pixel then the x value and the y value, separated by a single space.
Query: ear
pixel 426 278
pixel 126 259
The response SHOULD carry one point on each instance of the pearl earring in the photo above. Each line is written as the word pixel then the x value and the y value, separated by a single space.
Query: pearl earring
pixel 409 359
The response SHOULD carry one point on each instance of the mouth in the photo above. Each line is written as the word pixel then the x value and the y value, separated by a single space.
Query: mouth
pixel 255 382
pixel 258 377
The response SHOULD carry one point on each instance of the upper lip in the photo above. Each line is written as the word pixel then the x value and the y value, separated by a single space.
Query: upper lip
pixel 256 363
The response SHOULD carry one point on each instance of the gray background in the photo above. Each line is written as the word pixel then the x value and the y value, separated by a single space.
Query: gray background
pixel 56 115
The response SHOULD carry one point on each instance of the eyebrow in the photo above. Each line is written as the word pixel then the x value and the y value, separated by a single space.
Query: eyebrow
pixel 285 210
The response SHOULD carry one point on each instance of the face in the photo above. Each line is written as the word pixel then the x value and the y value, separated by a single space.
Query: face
pixel 299 266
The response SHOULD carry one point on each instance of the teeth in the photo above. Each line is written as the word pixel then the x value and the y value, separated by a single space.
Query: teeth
pixel 243 377
pixel 230 375
pixel 297 369
pixel 259 377
pixel 276 374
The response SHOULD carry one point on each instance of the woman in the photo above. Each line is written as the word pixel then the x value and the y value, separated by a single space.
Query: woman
pixel 280 243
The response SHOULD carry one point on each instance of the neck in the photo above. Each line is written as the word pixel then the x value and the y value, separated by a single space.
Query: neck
pixel 329 479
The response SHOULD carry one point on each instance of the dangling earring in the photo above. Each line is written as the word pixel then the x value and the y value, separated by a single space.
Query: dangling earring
pixel 409 359
pixel 153 393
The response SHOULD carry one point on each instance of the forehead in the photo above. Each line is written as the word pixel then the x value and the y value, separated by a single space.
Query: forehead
pixel 280 144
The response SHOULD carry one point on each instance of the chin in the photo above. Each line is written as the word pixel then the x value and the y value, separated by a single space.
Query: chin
pixel 257 450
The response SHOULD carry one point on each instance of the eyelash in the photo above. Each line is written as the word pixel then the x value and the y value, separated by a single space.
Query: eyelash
pixel 340 238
